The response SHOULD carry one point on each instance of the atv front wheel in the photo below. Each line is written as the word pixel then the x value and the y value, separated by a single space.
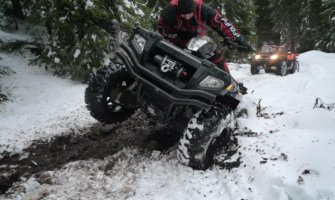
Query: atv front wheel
pixel 198 143
pixel 294 67
pixel 254 69
pixel 103 93
pixel 282 68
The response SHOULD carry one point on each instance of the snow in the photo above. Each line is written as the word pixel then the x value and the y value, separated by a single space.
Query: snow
pixel 62 19
pixel 89 4
pixel 39 105
pixel 76 53
pixel 94 37
pixel 293 139
pixel 11 37
pixel 137 10
pixel 56 60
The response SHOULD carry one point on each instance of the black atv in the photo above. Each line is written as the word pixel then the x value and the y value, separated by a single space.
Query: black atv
pixel 178 87
pixel 279 62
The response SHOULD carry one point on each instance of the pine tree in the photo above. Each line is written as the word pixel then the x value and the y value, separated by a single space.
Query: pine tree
pixel 326 40
pixel 154 11
pixel 286 19
pixel 265 24
pixel 10 10
pixel 310 25
pixel 77 37
pixel 78 29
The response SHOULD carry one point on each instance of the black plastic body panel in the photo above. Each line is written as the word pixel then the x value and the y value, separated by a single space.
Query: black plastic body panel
pixel 141 66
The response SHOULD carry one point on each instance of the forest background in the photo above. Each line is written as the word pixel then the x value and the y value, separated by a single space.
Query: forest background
pixel 70 35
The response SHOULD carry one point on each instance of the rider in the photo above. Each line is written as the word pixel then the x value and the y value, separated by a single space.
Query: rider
pixel 183 19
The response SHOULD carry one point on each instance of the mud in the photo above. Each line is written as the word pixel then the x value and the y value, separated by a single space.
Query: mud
pixel 96 142
pixel 228 155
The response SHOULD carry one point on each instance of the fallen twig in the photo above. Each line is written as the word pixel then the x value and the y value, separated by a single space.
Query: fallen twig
pixel 320 104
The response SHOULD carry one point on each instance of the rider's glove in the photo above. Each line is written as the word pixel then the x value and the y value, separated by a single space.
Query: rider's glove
pixel 244 45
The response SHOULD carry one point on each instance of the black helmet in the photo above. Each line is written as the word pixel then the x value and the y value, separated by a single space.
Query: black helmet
pixel 186 6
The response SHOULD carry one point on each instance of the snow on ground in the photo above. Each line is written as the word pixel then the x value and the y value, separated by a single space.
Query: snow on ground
pixel 289 156
pixel 14 36
pixel 41 105
pixel 304 134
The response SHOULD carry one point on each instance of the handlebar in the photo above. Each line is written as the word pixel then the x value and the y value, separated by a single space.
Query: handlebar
pixel 235 46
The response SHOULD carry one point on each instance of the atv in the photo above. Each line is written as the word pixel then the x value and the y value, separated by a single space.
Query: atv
pixel 279 61
pixel 178 87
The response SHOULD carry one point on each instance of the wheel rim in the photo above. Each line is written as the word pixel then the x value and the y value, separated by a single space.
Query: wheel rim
pixel 209 152
pixel 111 99
pixel 103 89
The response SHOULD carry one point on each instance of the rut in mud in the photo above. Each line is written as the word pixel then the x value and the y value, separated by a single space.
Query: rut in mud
pixel 97 142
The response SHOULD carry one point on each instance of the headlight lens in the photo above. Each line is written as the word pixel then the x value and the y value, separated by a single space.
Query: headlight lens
pixel 212 82
pixel 274 57
pixel 139 42
pixel 195 43
pixel 257 57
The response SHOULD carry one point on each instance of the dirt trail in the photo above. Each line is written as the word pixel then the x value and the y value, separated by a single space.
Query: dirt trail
pixel 96 142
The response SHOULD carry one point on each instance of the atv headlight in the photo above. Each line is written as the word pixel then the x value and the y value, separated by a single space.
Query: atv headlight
pixel 196 43
pixel 274 57
pixel 139 43
pixel 212 82
pixel 257 57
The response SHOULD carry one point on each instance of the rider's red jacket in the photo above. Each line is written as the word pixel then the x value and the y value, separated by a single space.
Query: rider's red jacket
pixel 179 31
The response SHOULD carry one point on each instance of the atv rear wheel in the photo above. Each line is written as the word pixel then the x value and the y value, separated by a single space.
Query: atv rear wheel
pixel 254 69
pixel 282 68
pixel 267 70
pixel 294 67
pixel 199 141
pixel 102 95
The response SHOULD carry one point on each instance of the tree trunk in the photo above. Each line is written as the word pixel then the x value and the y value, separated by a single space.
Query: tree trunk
pixel 17 10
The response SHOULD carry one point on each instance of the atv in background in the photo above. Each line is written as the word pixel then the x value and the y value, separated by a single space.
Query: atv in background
pixel 275 59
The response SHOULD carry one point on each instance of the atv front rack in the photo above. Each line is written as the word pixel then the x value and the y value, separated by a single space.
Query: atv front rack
pixel 178 96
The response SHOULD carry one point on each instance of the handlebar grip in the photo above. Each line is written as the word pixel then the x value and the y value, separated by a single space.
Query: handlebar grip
pixel 234 46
